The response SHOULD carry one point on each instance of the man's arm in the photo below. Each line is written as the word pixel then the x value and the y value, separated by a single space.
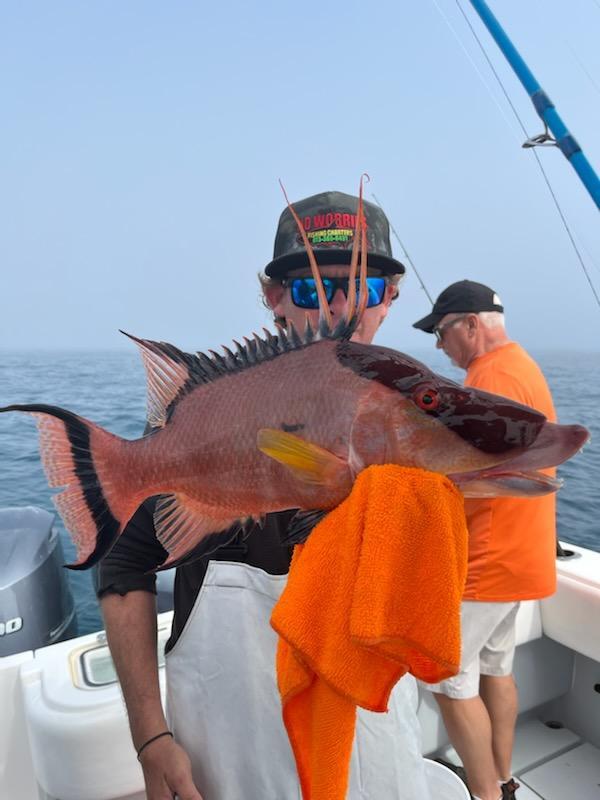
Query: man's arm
pixel 131 631
pixel 128 605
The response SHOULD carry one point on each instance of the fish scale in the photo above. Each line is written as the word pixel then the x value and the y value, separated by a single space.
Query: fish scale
pixel 216 426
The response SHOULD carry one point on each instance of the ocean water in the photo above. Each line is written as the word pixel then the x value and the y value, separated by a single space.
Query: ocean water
pixel 109 388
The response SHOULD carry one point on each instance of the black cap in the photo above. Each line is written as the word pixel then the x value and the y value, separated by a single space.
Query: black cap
pixel 329 219
pixel 460 297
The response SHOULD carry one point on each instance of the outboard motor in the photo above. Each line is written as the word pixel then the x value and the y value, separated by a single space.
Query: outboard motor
pixel 36 605
pixel 165 582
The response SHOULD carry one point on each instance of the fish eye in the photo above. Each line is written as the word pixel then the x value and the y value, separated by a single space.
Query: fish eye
pixel 426 398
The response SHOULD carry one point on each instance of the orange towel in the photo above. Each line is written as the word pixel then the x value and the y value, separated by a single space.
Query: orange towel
pixel 375 592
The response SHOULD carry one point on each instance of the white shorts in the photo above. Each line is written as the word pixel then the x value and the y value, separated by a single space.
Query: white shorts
pixel 487 647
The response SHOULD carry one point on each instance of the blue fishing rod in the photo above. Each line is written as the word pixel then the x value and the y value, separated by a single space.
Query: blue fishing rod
pixel 562 138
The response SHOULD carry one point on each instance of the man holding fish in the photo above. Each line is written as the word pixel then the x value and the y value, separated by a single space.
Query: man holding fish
pixel 222 697
pixel 301 421
pixel 512 547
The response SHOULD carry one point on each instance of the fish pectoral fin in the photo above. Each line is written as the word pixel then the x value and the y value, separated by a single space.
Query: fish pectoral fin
pixel 184 525
pixel 302 525
pixel 309 462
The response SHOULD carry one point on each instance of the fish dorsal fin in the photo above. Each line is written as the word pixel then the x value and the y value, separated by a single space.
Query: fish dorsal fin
pixel 167 371
pixel 184 525
pixel 309 462
pixel 172 373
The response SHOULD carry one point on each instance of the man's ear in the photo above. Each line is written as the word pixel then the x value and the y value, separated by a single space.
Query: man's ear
pixel 391 292
pixel 273 294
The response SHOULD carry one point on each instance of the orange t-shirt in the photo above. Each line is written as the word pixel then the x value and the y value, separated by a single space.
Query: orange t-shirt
pixel 512 541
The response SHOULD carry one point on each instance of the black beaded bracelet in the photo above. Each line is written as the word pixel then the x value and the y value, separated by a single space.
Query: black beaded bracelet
pixel 153 739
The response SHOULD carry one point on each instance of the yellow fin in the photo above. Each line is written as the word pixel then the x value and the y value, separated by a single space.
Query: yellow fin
pixel 306 460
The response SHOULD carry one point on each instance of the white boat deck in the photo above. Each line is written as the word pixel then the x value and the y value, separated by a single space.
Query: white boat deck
pixel 551 763
pixel 573 774
pixel 61 706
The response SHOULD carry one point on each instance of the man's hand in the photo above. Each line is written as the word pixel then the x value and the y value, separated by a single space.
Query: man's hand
pixel 167 771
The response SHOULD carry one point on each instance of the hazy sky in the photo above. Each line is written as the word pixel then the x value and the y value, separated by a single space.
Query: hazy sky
pixel 142 142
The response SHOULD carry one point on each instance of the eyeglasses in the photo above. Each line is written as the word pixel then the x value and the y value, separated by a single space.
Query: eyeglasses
pixel 304 290
pixel 439 330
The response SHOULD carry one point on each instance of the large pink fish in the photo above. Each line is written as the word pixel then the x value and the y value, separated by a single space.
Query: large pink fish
pixel 284 422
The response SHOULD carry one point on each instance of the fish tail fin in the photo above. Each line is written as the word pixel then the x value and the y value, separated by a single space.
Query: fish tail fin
pixel 88 461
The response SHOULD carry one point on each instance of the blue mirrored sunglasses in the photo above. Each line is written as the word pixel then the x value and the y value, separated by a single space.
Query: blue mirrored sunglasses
pixel 304 290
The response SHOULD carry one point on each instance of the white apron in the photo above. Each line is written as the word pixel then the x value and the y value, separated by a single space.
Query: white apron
pixel 224 708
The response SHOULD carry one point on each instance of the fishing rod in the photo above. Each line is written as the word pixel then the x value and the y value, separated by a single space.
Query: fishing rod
pixel 562 138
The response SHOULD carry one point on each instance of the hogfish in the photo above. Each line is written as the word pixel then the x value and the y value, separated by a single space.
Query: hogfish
pixel 284 422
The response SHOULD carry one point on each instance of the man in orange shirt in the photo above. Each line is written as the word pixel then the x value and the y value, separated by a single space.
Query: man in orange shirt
pixel 512 546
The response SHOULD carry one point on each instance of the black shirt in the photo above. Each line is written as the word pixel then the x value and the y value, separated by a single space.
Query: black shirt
pixel 129 565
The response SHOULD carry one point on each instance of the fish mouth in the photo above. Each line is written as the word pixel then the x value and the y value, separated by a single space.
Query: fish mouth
pixel 553 445
pixel 519 476
pixel 502 482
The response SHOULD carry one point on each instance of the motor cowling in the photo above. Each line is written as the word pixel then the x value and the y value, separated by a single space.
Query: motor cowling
pixel 36 604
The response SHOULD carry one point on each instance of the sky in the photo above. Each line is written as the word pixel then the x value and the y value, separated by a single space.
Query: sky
pixel 142 143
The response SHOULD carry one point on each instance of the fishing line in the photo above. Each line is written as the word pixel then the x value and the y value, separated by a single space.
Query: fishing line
pixel 537 158
pixel 588 254
pixel 567 44
pixel 479 73
pixel 404 250
pixel 582 65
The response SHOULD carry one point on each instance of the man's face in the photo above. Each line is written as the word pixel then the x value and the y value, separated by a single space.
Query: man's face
pixel 280 300
pixel 458 338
